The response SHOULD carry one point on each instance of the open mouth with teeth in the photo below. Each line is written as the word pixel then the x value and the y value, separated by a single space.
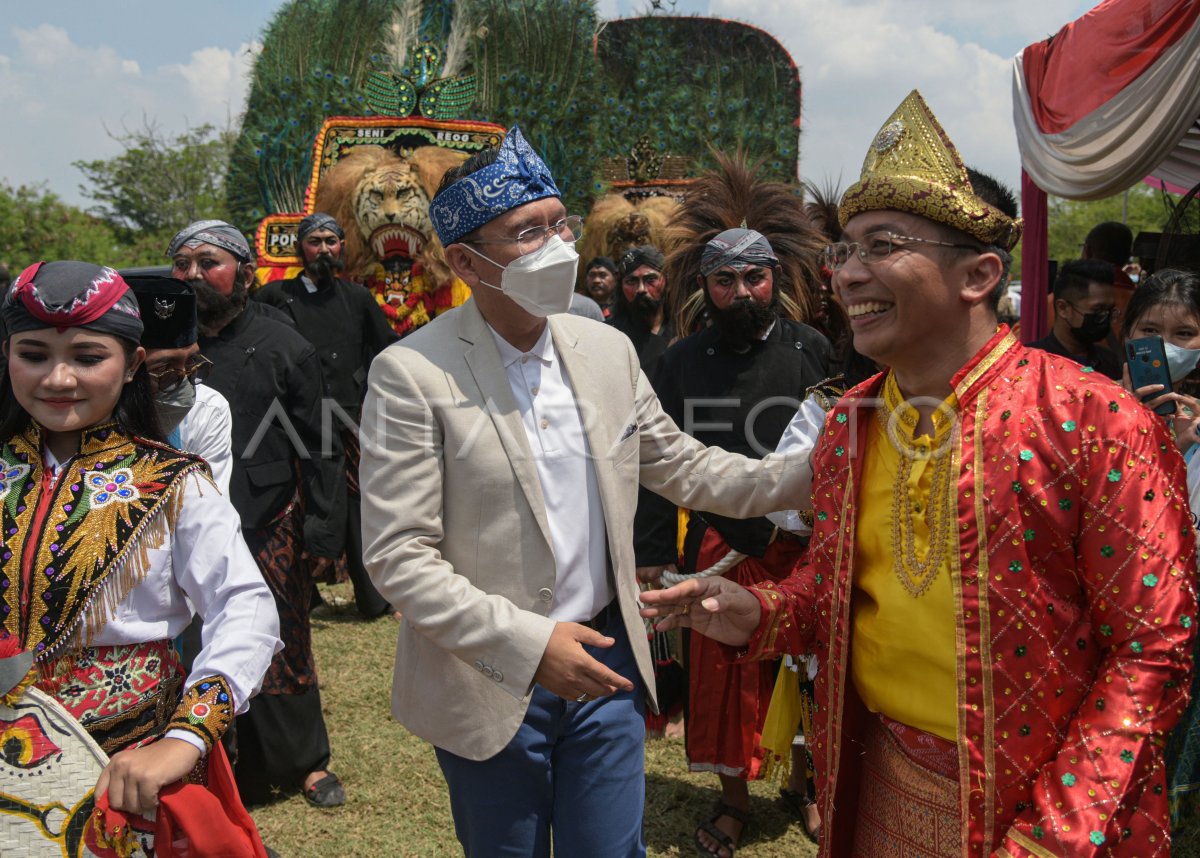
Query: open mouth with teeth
pixel 396 240
pixel 867 310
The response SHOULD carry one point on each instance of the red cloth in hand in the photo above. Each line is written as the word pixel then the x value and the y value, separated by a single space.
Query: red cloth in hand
pixel 193 820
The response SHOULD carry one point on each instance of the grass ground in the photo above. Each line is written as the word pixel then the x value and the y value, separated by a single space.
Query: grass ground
pixel 397 804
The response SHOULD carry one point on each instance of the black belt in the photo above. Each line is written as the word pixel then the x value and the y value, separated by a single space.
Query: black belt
pixel 598 622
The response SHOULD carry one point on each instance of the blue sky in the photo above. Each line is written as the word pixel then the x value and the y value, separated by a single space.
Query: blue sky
pixel 73 70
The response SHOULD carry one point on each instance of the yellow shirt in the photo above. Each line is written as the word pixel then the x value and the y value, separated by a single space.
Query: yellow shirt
pixel 902 653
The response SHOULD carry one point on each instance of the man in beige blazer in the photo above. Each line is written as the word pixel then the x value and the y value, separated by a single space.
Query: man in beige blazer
pixel 502 450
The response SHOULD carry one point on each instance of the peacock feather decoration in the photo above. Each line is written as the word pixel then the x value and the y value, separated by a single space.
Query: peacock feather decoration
pixel 423 79
pixel 527 63
pixel 649 94
pixel 536 69
pixel 691 83
pixel 324 58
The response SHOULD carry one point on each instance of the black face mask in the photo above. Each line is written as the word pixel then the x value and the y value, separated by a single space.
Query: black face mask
pixel 1094 328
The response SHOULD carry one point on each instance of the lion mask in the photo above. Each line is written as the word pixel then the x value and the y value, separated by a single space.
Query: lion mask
pixel 382 202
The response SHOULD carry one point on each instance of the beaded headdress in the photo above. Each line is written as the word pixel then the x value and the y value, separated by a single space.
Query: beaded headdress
pixel 912 166
pixel 518 176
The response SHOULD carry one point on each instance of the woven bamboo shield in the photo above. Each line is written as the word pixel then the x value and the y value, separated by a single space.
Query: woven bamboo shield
pixel 48 771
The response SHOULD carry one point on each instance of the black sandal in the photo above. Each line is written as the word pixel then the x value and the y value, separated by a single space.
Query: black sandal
pixel 327 792
pixel 709 827
pixel 797 802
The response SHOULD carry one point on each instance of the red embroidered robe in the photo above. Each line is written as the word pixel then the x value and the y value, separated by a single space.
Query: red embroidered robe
pixel 1073 578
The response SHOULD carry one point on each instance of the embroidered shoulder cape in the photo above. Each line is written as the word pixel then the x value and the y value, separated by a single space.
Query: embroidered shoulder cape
pixel 75 546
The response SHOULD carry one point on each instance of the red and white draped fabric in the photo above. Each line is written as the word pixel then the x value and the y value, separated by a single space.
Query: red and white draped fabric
pixel 1110 99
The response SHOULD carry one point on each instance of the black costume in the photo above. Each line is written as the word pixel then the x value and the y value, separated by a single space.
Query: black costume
pixel 287 498
pixel 348 329
pixel 791 359
pixel 648 345
pixel 741 400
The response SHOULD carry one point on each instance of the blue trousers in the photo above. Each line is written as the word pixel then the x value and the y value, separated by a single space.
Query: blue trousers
pixel 575 772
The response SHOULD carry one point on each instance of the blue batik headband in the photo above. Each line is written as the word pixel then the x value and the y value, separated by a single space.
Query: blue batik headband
pixel 518 176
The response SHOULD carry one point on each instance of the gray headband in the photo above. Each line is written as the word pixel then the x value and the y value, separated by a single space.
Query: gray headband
pixel 739 247
pixel 215 232
pixel 320 220
pixel 636 257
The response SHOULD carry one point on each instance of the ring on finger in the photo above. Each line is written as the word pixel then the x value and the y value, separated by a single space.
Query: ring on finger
pixel 685 609
pixel 582 698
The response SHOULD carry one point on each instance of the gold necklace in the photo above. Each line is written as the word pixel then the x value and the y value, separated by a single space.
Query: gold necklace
pixel 917 575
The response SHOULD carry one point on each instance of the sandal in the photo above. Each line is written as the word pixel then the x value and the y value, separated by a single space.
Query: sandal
pixel 327 792
pixel 709 827
pixel 798 802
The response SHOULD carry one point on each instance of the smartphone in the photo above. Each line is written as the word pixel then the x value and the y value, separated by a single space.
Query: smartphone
pixel 1148 365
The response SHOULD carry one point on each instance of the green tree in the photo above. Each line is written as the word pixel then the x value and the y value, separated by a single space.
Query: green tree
pixel 159 184
pixel 1145 209
pixel 36 225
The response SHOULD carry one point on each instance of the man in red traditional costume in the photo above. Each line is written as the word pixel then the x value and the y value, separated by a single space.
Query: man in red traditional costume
pixel 999 584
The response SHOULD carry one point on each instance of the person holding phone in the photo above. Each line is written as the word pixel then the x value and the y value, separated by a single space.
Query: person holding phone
pixel 1167 306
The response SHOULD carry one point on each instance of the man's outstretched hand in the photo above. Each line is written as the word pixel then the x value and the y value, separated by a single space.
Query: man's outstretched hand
pixel 715 607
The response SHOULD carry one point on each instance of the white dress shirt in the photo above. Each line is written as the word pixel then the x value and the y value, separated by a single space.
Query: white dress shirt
pixel 554 426
pixel 207 431
pixel 203 564
pixel 800 438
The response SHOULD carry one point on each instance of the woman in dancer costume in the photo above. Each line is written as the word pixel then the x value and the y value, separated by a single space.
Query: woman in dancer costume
pixel 111 537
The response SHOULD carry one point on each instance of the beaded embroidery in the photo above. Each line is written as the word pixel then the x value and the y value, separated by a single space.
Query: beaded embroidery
pixel 205 711
pixel 72 551
pixel 915 573
pixel 10 475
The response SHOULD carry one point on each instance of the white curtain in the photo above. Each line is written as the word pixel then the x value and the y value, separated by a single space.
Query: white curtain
pixel 1150 128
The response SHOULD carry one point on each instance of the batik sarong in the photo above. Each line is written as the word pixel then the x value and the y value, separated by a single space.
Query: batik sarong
pixel 904 809
pixel 276 549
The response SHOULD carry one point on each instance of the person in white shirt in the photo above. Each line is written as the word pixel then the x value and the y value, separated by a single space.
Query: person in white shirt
pixel 503 444
pixel 194 418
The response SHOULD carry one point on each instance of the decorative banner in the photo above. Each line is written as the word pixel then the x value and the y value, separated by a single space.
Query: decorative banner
pixel 276 240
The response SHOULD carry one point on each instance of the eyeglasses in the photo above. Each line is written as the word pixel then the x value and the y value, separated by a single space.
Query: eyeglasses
pixel 528 240
pixel 169 379
pixel 878 246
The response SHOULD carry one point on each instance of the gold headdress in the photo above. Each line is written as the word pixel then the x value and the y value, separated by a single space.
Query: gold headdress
pixel 912 166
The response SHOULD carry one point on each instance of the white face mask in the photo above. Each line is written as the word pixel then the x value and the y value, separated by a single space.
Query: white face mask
pixel 1180 361
pixel 541 282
